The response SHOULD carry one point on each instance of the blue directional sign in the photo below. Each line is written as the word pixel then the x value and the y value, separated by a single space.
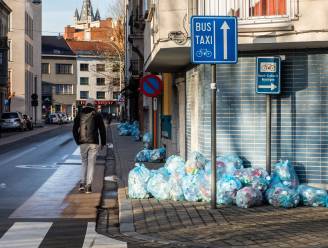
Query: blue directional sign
pixel 214 40
pixel 268 75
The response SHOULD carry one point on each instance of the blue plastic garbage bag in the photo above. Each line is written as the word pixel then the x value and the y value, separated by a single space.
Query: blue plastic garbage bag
pixel 190 188
pixel 248 197
pixel 136 124
pixel 124 132
pixel 196 162
pixel 158 185
pixel 136 135
pixel 143 156
pixel 204 184
pixel 147 139
pixel 137 182
pixel 157 155
pixel 284 172
pixel 228 164
pixel 174 164
pixel 311 196
pixel 176 192
pixel 282 196
pixel 227 188
pixel 256 177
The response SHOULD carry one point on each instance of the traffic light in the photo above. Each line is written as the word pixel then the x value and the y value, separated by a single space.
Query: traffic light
pixel 34 101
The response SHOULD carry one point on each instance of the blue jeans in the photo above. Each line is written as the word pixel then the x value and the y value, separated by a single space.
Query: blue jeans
pixel 89 157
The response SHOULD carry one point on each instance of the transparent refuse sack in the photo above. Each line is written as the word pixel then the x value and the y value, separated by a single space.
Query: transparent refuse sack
pixel 255 177
pixel 282 196
pixel 175 164
pixel 227 188
pixel 196 162
pixel 147 139
pixel 158 185
pixel 284 173
pixel 143 156
pixel 157 155
pixel 137 182
pixel 190 187
pixel 248 197
pixel 311 196
pixel 228 164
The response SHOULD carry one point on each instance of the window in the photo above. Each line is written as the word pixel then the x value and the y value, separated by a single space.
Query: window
pixel 100 81
pixel 247 10
pixel 45 67
pixel 64 89
pixel 84 81
pixel 116 94
pixel 28 25
pixel 100 67
pixel 84 67
pixel 10 52
pixel 84 94
pixel 64 69
pixel 116 67
pixel 100 94
pixel 28 54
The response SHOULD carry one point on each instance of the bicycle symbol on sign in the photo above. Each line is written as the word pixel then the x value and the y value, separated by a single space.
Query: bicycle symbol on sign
pixel 203 53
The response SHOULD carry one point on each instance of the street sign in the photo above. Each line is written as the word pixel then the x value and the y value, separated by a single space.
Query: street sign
pixel 151 85
pixel 214 40
pixel 268 75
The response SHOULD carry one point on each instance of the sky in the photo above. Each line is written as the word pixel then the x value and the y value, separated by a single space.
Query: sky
pixel 59 13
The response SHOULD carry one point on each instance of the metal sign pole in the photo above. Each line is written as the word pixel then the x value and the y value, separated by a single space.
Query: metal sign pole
pixel 155 122
pixel 268 133
pixel 213 137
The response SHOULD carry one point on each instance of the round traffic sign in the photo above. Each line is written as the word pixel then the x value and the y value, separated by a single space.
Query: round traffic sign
pixel 151 85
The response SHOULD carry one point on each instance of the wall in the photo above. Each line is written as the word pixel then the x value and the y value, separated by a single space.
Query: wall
pixel 299 114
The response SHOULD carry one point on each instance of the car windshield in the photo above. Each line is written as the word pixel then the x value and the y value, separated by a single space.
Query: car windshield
pixel 9 115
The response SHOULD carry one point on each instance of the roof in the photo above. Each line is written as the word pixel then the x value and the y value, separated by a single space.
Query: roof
pixel 55 45
pixel 93 48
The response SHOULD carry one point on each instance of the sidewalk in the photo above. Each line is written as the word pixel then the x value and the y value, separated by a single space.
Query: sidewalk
pixel 193 224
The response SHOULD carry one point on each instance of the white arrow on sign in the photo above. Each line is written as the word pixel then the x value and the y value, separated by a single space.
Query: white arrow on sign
pixel 225 27
pixel 272 87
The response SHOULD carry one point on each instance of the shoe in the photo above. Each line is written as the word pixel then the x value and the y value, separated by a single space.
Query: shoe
pixel 88 189
pixel 82 187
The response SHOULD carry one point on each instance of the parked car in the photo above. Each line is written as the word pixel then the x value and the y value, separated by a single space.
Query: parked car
pixel 29 123
pixel 63 117
pixel 13 120
pixel 55 118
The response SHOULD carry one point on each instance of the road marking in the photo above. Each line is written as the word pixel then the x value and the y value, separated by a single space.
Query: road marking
pixel 65 157
pixel 61 184
pixel 76 152
pixel 6 161
pixel 93 239
pixel 25 235
pixel 38 166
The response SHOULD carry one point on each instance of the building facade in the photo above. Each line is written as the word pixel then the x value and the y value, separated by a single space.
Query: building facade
pixel 283 28
pixel 98 74
pixel 24 40
pixel 4 24
pixel 59 76
pixel 88 26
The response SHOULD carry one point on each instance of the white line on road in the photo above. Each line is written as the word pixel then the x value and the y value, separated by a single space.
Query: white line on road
pixel 6 161
pixel 25 235
pixel 77 151
pixel 95 240
pixel 65 157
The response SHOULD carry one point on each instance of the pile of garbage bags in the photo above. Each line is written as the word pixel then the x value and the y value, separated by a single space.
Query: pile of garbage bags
pixel 153 156
pixel 127 129
pixel 190 180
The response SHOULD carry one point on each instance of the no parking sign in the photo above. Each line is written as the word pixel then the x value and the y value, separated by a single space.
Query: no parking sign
pixel 151 85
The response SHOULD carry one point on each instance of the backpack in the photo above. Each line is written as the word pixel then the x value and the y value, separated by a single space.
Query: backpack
pixel 88 127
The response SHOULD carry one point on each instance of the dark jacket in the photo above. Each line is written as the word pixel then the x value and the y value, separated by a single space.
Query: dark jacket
pixel 88 124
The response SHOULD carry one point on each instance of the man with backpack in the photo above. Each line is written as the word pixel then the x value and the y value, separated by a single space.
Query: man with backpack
pixel 88 126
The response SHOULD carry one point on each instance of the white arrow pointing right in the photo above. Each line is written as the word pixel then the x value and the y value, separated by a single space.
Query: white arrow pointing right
pixel 272 87
pixel 225 27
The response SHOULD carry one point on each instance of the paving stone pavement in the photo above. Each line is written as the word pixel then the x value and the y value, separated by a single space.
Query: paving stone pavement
pixel 152 223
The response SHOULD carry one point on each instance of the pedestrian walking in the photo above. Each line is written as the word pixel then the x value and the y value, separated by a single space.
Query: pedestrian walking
pixel 88 126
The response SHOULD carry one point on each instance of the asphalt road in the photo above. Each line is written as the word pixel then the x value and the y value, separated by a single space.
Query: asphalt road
pixel 24 167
